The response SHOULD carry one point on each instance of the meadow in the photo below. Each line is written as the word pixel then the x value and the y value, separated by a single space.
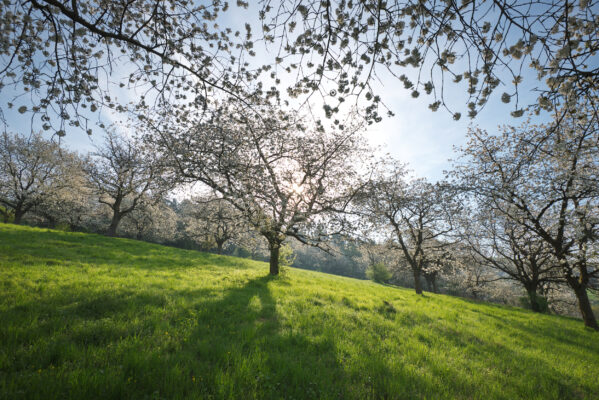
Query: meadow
pixel 84 316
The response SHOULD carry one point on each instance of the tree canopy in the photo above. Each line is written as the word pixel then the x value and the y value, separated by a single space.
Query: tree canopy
pixel 71 58
pixel 287 179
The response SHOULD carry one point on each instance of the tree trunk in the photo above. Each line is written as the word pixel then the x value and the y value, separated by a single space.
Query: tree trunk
pixel 114 224
pixel 274 258
pixel 534 299
pixel 52 222
pixel 219 246
pixel 429 284
pixel 585 306
pixel 435 289
pixel 417 284
pixel 19 212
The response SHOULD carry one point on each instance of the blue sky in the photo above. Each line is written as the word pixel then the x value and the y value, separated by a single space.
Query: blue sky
pixel 425 139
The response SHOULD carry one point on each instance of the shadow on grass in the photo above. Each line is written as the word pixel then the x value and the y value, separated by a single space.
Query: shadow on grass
pixel 151 341
pixel 242 341
pixel 126 344
pixel 229 343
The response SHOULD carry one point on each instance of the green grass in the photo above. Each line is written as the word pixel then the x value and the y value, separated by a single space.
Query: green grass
pixel 83 316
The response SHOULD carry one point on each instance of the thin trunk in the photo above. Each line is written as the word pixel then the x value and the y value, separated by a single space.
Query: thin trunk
pixel 585 306
pixel 435 289
pixel 417 284
pixel 274 258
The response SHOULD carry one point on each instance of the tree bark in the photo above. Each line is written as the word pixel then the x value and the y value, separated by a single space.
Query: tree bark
pixel 585 306
pixel 19 212
pixel 114 224
pixel 219 246
pixel 534 299
pixel 417 283
pixel 431 283
pixel 274 258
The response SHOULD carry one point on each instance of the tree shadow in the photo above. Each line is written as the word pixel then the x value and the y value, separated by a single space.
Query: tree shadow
pixel 254 349
pixel 242 347
pixel 239 342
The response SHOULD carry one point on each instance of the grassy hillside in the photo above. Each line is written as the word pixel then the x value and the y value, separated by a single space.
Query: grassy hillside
pixel 84 316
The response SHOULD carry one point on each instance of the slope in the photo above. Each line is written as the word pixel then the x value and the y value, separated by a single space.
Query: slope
pixel 84 316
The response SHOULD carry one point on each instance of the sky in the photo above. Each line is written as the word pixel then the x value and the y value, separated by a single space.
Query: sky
pixel 415 135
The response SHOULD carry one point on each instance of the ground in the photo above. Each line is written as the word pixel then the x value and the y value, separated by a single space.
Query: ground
pixel 85 316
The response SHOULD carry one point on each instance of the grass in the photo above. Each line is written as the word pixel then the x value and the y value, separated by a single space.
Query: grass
pixel 83 316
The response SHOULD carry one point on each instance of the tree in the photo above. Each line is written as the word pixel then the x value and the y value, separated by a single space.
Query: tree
pixel 341 256
pixel 543 178
pixel 76 56
pixel 123 172
pixel 286 256
pixel 378 272
pixel 286 180
pixel 182 53
pixel 516 253
pixel 471 276
pixel 418 215
pixel 152 220
pixel 31 170
pixel 339 47
pixel 72 201
pixel 213 220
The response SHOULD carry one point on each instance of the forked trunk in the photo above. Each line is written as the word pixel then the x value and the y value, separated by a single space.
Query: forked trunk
pixel 52 222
